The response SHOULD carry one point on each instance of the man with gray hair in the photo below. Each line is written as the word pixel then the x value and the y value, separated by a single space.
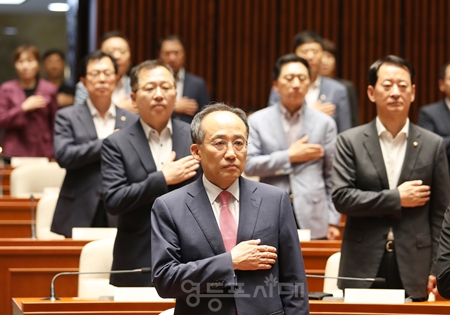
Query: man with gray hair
pixel 224 243
pixel 142 162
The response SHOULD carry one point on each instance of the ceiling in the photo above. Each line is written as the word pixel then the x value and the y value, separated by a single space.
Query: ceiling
pixel 30 7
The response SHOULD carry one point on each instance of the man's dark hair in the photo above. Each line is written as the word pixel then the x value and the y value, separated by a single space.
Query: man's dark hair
pixel 372 74
pixel 95 55
pixel 289 58
pixel 172 37
pixel 50 52
pixel 149 64
pixel 307 37
pixel 443 70
pixel 112 34
pixel 198 134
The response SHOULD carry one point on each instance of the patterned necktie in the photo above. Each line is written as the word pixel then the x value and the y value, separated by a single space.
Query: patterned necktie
pixel 228 226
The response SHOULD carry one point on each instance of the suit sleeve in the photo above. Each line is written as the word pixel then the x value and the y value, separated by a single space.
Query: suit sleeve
pixel 81 94
pixel 426 121
pixel 274 97
pixel 443 258
pixel 334 217
pixel 11 115
pixel 439 200
pixel 119 194
pixel 350 200
pixel 294 298
pixel 170 275
pixel 258 162
pixel 343 115
pixel 68 153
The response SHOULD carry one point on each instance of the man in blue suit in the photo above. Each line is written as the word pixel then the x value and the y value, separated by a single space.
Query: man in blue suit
pixel 192 93
pixel 324 94
pixel 436 117
pixel 142 162
pixel 224 244
pixel 291 146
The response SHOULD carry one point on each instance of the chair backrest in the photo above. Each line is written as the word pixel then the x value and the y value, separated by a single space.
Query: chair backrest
pixel 332 270
pixel 96 256
pixel 44 217
pixel 33 178
pixel 170 311
pixel 17 161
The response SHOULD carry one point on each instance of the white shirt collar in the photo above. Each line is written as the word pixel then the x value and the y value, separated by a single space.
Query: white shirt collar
pixel 148 129
pixel 447 102
pixel 95 113
pixel 213 191
pixel 181 75
pixel 381 128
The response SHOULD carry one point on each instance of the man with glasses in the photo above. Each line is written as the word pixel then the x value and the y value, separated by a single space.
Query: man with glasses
pixel 142 162
pixel 324 94
pixel 224 244
pixel 291 146
pixel 79 133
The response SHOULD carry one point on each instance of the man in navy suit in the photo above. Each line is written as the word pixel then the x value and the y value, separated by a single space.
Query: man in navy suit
pixel 142 162
pixel 436 117
pixel 192 93
pixel 224 243
pixel 79 134
pixel 324 94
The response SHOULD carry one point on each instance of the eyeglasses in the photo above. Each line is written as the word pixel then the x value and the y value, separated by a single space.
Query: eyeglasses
pixel 96 74
pixel 221 144
pixel 151 89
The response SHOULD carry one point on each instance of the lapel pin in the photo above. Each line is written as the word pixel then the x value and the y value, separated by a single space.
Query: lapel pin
pixel 415 144
pixel 123 118
pixel 323 97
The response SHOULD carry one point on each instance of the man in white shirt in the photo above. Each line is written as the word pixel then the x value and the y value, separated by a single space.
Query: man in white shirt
pixel 144 161
pixel 192 93
pixel 389 179
pixel 79 133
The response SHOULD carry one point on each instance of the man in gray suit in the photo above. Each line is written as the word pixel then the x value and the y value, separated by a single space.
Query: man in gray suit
pixel 324 94
pixel 388 180
pixel 79 134
pixel 291 146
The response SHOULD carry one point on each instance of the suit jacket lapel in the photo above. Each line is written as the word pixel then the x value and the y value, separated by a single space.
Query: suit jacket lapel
pixel 307 122
pixel 413 147
pixel 202 211
pixel 373 148
pixel 139 142
pixel 275 124
pixel 121 118
pixel 85 118
pixel 249 204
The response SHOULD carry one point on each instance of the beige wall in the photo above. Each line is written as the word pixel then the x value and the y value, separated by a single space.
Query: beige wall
pixel 43 31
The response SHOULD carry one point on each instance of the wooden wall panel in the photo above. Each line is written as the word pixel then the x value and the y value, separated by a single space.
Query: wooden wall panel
pixel 233 44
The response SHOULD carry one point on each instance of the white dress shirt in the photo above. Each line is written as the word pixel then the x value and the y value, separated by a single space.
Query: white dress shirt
pixel 313 92
pixel 160 144
pixel 213 195
pixel 103 126
pixel 393 150
pixel 120 91
pixel 180 82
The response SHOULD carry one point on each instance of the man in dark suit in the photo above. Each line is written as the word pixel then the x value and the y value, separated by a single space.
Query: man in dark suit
pixel 223 243
pixel 79 134
pixel 324 94
pixel 142 162
pixel 387 179
pixel 443 258
pixel 192 93
pixel 436 117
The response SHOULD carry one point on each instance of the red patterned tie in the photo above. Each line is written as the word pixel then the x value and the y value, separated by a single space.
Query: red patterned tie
pixel 228 226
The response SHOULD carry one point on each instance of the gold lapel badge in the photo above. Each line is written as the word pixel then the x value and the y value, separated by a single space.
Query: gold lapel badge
pixel 415 144
pixel 323 97
pixel 123 118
